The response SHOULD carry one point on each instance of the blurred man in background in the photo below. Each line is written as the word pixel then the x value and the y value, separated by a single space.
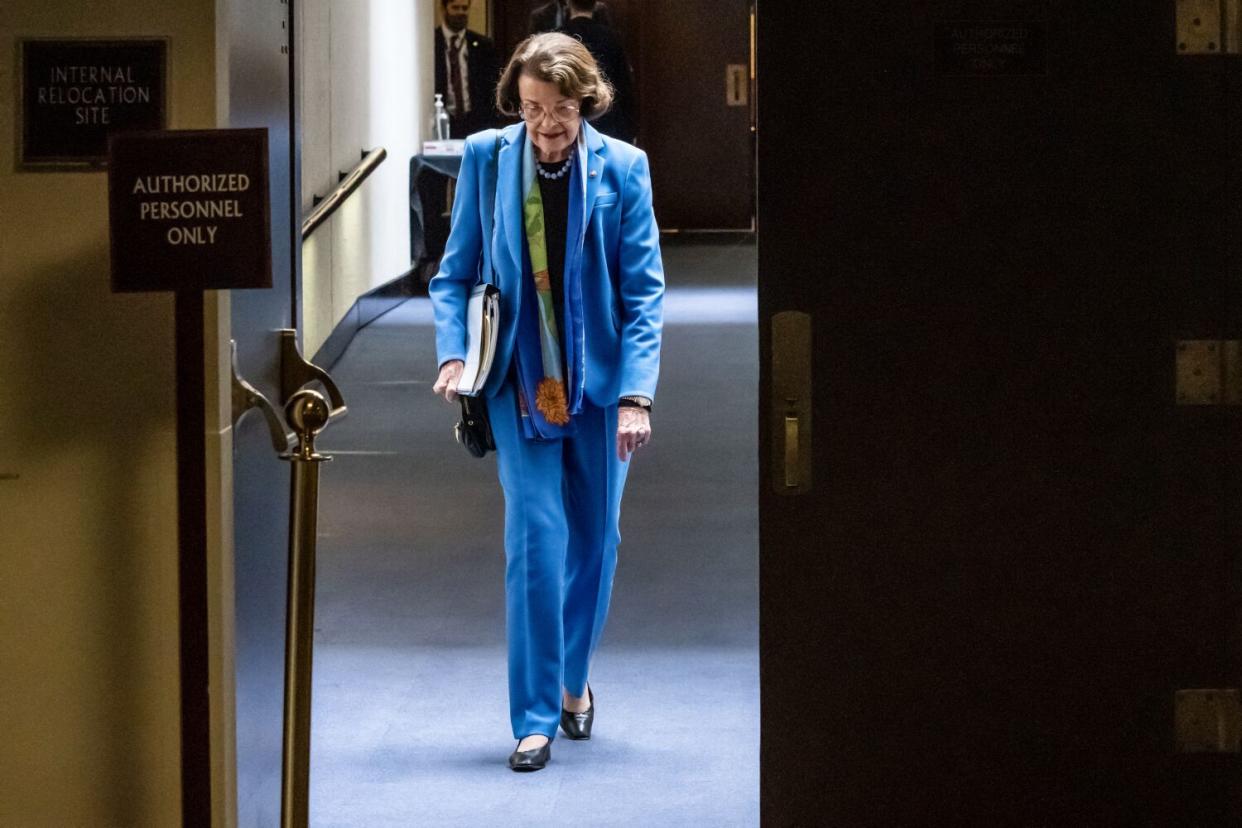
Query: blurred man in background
pixel 604 43
pixel 466 71
pixel 555 14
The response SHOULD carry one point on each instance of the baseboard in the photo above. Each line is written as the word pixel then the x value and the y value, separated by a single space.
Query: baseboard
pixel 366 309
pixel 706 237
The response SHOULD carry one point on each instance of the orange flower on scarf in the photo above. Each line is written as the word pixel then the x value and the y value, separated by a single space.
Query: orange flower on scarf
pixel 550 401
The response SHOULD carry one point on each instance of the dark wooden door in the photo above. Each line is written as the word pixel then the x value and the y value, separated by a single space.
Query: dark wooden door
pixel 1016 546
pixel 260 95
pixel 701 147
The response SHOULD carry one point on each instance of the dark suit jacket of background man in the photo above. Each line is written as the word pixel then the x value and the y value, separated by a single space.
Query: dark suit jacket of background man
pixel 483 70
pixel 543 19
pixel 621 120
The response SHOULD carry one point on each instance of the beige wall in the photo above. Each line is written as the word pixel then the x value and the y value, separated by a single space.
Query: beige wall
pixel 89 712
pixel 366 82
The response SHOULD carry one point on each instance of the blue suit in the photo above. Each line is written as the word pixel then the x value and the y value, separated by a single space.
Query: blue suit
pixel 562 497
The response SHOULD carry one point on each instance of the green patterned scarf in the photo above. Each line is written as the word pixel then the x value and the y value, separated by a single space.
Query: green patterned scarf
pixel 550 391
pixel 550 398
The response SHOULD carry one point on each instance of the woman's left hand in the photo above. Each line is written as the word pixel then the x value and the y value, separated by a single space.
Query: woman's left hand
pixel 633 431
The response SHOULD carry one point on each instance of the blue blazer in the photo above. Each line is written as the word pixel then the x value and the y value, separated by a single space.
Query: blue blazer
pixel 622 274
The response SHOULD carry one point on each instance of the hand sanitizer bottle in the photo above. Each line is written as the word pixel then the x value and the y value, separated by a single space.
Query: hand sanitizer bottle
pixel 442 119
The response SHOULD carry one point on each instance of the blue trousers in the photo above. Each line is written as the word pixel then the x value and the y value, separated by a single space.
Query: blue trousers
pixel 562 507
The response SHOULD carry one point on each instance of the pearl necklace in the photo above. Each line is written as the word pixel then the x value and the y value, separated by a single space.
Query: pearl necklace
pixel 552 176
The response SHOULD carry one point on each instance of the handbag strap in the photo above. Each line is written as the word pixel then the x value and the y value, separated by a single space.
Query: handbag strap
pixel 489 218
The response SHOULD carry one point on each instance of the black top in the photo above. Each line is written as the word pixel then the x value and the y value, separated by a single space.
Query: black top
pixel 555 195
pixel 604 44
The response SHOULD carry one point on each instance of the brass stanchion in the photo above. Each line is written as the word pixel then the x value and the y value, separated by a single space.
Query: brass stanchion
pixel 307 412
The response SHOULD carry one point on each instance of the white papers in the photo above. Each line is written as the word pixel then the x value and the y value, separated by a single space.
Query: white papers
pixel 482 328
pixel 453 146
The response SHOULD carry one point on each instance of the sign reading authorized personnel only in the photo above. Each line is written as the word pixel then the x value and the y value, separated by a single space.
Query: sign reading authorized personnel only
pixel 189 210
pixel 982 48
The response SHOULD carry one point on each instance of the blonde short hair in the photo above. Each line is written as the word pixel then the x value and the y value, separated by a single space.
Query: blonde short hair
pixel 559 59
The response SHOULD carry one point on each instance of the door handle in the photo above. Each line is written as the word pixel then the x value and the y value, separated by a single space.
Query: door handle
pixel 737 85
pixel 246 398
pixel 296 372
pixel 791 451
pixel 790 420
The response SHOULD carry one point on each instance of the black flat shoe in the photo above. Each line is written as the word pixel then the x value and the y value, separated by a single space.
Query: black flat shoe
pixel 577 726
pixel 531 760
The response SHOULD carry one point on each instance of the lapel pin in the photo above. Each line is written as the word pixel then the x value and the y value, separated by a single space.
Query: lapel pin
pixel 593 173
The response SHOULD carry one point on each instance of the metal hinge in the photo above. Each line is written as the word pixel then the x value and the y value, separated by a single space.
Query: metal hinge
pixel 247 398
pixel 296 372
pixel 1209 372
pixel 1208 27
pixel 1208 721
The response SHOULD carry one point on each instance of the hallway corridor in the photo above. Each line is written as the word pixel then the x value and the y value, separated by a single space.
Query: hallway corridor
pixel 410 705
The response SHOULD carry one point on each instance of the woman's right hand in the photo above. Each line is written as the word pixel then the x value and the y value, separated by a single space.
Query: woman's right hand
pixel 446 383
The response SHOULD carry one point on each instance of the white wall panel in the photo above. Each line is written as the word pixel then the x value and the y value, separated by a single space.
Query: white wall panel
pixel 366 75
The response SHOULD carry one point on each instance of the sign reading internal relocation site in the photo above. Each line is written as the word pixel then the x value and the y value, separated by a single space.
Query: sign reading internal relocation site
pixel 189 210
pixel 74 93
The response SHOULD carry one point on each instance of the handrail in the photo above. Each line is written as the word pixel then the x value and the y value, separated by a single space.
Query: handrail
pixel 350 181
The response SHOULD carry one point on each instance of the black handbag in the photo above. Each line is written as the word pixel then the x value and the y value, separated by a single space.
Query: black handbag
pixel 474 429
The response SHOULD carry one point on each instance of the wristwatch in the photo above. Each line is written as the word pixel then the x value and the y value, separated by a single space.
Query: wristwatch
pixel 635 401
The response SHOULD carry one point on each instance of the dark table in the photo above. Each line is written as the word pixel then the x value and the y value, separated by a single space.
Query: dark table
pixel 429 194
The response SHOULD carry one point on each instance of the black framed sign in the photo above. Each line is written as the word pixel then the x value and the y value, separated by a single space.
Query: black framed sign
pixel 981 48
pixel 189 210
pixel 74 93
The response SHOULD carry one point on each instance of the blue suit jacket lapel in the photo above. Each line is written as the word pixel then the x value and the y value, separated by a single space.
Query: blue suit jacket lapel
pixel 595 169
pixel 509 185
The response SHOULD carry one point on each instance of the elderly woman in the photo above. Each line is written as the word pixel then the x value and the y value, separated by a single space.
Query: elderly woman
pixel 575 250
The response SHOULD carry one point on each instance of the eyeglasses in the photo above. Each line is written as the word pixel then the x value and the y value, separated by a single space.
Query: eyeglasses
pixel 562 113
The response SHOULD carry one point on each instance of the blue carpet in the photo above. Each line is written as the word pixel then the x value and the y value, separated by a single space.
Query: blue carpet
pixel 410 723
